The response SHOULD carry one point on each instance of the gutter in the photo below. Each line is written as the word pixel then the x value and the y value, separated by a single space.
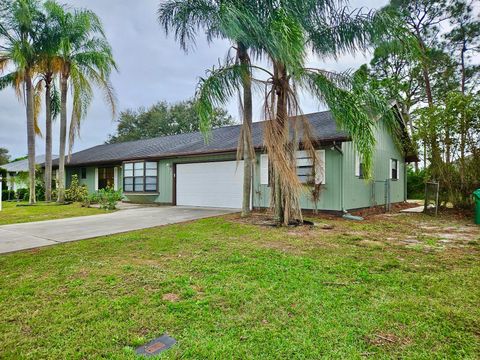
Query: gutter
pixel 174 155
pixel 342 183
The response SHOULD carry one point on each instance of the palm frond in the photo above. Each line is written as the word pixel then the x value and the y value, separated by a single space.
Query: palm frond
pixel 37 106
pixel 7 80
pixel 184 18
pixel 350 113
pixel 220 85
pixel 347 31
pixel 82 96
pixel 55 102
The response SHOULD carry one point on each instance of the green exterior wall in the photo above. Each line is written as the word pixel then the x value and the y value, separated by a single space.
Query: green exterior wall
pixel 330 197
pixel 165 178
pixel 342 189
pixel 90 180
pixel 359 193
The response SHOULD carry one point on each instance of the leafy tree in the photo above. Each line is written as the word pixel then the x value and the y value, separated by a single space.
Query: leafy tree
pixel 463 41
pixel 163 119
pixel 4 156
pixel 423 19
pixel 20 23
pixel 86 59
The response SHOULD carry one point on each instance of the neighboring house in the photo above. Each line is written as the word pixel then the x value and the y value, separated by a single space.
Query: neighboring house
pixel 184 170
pixel 15 169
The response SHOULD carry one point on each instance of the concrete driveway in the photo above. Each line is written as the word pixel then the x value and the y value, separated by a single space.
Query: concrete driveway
pixel 44 233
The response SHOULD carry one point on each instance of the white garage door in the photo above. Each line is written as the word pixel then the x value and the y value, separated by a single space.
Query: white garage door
pixel 214 184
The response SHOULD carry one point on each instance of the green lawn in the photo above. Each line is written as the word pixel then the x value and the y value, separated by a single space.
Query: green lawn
pixel 402 286
pixel 12 214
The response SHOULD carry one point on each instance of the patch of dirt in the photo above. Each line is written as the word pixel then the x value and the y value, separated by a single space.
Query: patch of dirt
pixel 446 232
pixel 387 339
pixel 83 273
pixel 283 247
pixel 171 297
pixel 377 210
pixel 372 243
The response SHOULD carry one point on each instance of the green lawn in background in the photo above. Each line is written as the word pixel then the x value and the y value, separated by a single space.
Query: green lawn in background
pixel 12 214
pixel 400 286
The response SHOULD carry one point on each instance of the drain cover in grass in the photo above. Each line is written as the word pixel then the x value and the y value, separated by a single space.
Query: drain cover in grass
pixel 156 346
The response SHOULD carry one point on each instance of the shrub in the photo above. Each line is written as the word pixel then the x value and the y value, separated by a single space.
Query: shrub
pixel 76 192
pixel 8 195
pixel 90 199
pixel 107 198
pixel 22 194
pixel 39 188
pixel 415 183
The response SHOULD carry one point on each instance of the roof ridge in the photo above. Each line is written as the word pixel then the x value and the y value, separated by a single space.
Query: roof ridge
pixel 198 132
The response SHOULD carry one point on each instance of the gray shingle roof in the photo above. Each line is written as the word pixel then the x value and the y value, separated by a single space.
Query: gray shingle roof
pixel 223 139
pixel 22 165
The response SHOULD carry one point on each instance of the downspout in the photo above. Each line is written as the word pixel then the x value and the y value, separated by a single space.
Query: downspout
pixel 252 183
pixel 342 183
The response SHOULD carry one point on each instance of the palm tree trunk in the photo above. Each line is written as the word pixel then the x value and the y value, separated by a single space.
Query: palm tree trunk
pixel 48 139
pixel 282 120
pixel 30 136
pixel 63 139
pixel 247 132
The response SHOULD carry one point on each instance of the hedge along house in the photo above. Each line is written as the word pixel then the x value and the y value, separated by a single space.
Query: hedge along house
pixel 184 170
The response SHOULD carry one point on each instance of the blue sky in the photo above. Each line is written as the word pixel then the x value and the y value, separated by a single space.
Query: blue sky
pixel 151 68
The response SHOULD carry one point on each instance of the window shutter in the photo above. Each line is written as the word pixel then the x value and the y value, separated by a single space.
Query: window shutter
pixel 391 167
pixel 320 177
pixel 96 179
pixel 357 164
pixel 264 169
pixel 115 178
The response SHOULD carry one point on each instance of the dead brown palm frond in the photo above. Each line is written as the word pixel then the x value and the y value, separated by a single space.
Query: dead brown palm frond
pixel 285 132
pixel 19 85
pixel 3 64
pixel 37 106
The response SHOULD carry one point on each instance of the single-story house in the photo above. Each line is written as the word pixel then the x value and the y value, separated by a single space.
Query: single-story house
pixel 185 170
pixel 15 169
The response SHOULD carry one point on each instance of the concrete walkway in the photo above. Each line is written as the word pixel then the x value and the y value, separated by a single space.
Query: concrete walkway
pixel 17 237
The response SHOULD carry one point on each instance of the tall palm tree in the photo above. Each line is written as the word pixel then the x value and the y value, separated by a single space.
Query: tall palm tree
pixel 184 18
pixel 284 32
pixel 20 24
pixel 86 59
pixel 48 68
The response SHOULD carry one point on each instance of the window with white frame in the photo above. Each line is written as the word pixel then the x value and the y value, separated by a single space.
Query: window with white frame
pixel 264 170
pixel 394 169
pixel 306 172
pixel 359 165
pixel 140 176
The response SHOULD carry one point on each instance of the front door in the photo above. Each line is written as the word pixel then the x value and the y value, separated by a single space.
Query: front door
pixel 106 178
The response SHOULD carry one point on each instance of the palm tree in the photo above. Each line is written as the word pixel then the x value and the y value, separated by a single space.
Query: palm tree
pixel 86 59
pixel 184 18
pixel 48 68
pixel 20 24
pixel 284 32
